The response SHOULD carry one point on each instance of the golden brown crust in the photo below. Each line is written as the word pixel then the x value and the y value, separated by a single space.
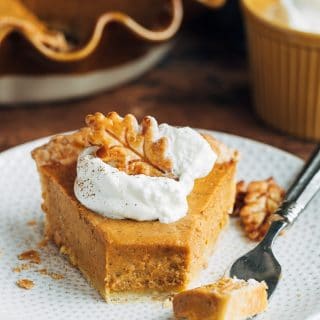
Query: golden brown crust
pixel 14 16
pixel 224 153
pixel 63 149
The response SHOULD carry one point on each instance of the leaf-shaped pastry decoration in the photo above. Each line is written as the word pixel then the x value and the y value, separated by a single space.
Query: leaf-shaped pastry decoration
pixel 129 147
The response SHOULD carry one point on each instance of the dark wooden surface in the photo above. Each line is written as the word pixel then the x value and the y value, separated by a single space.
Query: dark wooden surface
pixel 202 83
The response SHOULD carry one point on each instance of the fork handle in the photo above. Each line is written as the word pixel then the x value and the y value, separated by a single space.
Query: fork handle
pixel 302 190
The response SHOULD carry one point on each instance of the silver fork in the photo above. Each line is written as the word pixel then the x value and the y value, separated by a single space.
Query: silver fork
pixel 260 263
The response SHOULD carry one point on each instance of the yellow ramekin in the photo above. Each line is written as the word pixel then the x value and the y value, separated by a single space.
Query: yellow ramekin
pixel 285 69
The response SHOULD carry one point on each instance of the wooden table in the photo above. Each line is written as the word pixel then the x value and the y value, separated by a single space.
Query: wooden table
pixel 202 83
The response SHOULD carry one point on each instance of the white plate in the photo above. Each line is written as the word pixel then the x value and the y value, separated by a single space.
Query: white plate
pixel 296 298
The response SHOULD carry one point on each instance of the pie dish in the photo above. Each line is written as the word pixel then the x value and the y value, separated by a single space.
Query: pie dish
pixel 58 34
pixel 75 48
pixel 120 256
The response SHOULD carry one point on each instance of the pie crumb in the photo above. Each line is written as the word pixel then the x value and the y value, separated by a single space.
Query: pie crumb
pixel 31 222
pixel 52 275
pixel 31 255
pixel 56 276
pixel 22 267
pixel 43 271
pixel 43 243
pixel 25 284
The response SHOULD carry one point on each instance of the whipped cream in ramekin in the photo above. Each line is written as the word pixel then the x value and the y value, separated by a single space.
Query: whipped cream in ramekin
pixel 114 194
pixel 303 15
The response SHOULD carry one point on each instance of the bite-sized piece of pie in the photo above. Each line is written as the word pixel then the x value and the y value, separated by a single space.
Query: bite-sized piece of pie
pixel 227 299
pixel 136 208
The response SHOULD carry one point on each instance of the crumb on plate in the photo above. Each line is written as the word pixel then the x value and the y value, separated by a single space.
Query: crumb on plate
pixel 25 284
pixel 43 243
pixel 31 255
pixel 56 276
pixel 31 222
pixel 22 267
pixel 53 275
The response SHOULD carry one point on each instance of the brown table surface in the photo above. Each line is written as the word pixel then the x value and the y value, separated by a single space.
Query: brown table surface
pixel 202 83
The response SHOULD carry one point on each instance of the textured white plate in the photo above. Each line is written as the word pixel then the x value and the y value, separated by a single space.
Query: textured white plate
pixel 296 298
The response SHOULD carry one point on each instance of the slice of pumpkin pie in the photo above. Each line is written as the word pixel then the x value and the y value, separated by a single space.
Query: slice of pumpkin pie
pixel 136 207
pixel 226 299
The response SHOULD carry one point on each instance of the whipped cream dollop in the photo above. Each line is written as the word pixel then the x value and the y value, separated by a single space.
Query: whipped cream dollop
pixel 303 15
pixel 114 194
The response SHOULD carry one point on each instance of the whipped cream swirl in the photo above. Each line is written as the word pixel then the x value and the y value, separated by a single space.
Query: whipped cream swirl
pixel 114 194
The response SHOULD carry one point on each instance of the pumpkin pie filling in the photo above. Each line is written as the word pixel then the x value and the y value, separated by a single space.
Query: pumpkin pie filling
pixel 226 299
pixel 123 255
